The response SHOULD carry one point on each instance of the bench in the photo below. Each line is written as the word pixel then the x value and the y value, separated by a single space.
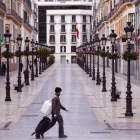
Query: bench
pixel 16 85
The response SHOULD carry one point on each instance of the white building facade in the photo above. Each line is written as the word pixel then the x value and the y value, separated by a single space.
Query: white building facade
pixel 60 31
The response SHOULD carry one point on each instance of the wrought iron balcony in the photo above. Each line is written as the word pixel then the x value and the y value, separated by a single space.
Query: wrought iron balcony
pixel 11 12
pixel 73 30
pixel 121 2
pixel 73 41
pixel 34 28
pixel 63 30
pixel 52 30
pixel 28 3
pixel 27 23
pixel 2 6
pixel 52 40
pixel 34 13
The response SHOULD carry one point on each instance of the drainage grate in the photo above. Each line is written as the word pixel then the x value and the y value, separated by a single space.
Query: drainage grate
pixel 30 116
pixel 101 132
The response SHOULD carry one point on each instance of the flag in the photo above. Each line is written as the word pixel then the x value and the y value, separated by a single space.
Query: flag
pixel 77 31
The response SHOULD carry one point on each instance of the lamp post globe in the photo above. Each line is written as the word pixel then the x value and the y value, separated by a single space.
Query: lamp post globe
pixel 19 42
pixel 7 37
pixel 98 70
pixel 113 87
pixel 32 72
pixel 129 32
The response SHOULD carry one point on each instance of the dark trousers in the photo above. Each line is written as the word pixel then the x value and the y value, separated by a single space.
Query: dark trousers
pixel 4 70
pixel 59 119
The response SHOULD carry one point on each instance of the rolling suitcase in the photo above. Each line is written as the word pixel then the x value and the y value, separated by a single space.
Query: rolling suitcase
pixel 41 126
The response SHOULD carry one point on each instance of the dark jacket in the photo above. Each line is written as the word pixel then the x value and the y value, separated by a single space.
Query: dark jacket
pixel 56 105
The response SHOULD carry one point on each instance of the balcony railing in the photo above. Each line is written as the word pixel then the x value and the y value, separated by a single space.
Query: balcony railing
pixel 52 21
pixel 73 40
pixel 34 13
pixel 84 40
pixel 105 18
pixel 27 23
pixel 63 30
pixel 28 4
pixel 52 40
pixel 137 33
pixel 73 30
pixel 2 6
pixel 62 20
pixel 84 20
pixel 84 30
pixel 13 13
pixel 63 40
pixel 52 30
pixel 121 2
pixel 34 28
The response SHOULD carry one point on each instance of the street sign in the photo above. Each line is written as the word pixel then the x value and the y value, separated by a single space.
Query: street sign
pixel 1 40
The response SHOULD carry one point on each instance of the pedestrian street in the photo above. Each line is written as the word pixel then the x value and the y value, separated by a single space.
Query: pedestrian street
pixel 91 116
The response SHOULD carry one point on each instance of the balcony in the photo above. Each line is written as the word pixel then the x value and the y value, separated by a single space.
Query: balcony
pixel 62 41
pixel 27 24
pixel 52 21
pixel 34 13
pixel 63 20
pixel 11 12
pixel 84 30
pixel 52 31
pixel 52 41
pixel 121 2
pixel 63 31
pixel 73 41
pixel 28 3
pixel 84 20
pixel 2 6
pixel 34 28
pixel 73 20
pixel 73 30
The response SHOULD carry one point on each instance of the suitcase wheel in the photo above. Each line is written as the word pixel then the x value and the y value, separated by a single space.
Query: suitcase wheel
pixel 37 136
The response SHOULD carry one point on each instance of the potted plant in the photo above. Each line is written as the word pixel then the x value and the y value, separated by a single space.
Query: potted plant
pixel 7 54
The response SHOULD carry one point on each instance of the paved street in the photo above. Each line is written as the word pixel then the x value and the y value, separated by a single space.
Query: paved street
pixel 92 116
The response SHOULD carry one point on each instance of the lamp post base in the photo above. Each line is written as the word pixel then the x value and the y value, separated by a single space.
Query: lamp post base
pixel 7 99
pixel 129 114
pixel 113 99
pixel 19 90
pixel 104 90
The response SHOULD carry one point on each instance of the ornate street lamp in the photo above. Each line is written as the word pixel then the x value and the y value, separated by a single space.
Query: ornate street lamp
pixel 104 39
pixel 40 63
pixel 27 41
pixel 19 41
pixel 113 87
pixel 32 72
pixel 89 49
pixel 129 32
pixel 87 57
pixel 7 36
pixel 107 57
pixel 36 46
pixel 93 73
pixel 98 71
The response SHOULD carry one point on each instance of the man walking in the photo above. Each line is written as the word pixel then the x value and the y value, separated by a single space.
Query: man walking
pixel 3 68
pixel 56 116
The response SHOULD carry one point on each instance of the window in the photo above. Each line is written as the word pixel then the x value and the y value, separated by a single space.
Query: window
pixel 62 49
pixel 62 18
pixel 73 18
pixel 52 38
pixel 1 28
pixel 131 18
pixel 51 28
pixel 62 28
pixel 73 28
pixel 73 38
pixel 62 38
pixel 73 48
pixel 84 28
pixel 51 18
pixel 84 38
pixel 52 48
pixel 84 18
pixel 90 37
